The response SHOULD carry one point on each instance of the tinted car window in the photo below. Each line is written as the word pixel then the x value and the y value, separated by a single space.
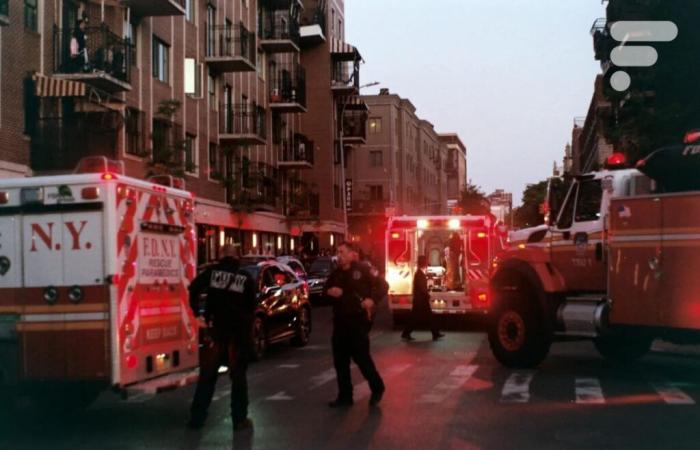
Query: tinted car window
pixel 590 194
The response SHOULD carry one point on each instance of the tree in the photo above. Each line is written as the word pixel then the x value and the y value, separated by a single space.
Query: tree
pixel 473 201
pixel 530 213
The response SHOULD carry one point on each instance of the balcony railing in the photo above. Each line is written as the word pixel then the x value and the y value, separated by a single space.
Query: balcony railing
pixel 296 153
pixel 313 24
pixel 603 42
pixel 301 200
pixel 355 127
pixel 4 12
pixel 242 124
pixel 345 78
pixel 168 144
pixel 253 186
pixel 230 48
pixel 58 143
pixel 288 89
pixel 95 55
pixel 148 8
pixel 279 31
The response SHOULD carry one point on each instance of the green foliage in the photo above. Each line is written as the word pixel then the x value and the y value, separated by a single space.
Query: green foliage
pixel 473 201
pixel 529 213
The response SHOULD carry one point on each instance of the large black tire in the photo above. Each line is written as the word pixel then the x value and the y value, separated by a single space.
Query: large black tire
pixel 303 332
pixel 516 335
pixel 258 339
pixel 623 347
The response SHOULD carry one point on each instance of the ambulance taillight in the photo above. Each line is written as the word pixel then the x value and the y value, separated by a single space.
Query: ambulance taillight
pixel 478 247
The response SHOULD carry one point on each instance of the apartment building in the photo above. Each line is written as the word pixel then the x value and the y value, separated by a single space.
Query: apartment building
pixel 213 91
pixel 590 149
pixel 455 166
pixel 404 168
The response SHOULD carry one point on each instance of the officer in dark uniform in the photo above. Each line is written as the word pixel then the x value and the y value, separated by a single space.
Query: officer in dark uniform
pixel 421 311
pixel 350 288
pixel 228 318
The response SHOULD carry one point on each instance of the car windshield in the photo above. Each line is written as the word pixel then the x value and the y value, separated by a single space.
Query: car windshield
pixel 320 267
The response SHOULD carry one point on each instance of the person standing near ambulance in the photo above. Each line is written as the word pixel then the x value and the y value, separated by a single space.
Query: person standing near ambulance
pixel 228 317
pixel 350 288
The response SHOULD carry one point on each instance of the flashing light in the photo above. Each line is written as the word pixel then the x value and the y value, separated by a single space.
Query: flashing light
pixel 396 235
pixel 279 242
pixel 131 361
pixel 691 137
pixel 90 193
pixel 453 224
pixel 108 176
pixel 222 238
pixel 616 161
pixel 481 235
pixel 521 246
pixel 332 240
pixel 255 240
pixel 422 224
pixel 291 244
pixel 4 198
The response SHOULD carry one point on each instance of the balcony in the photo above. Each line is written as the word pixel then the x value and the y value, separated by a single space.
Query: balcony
pixel 313 25
pixel 104 62
pixel 253 187
pixel 279 31
pixel 4 12
pixel 355 126
pixel 53 139
pixel 288 89
pixel 302 200
pixel 242 124
pixel 296 153
pixel 345 79
pixel 603 43
pixel 168 146
pixel 230 48
pixel 154 8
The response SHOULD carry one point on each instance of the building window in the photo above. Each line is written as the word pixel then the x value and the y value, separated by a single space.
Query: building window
pixel 375 125
pixel 130 34
pixel 214 161
pixel 211 89
pixel 376 192
pixel 31 19
pixel 336 196
pixel 189 10
pixel 193 78
pixel 161 60
pixel 134 131
pixel 190 150
pixel 376 158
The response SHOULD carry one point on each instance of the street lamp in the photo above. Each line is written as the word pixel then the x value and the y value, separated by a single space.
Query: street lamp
pixel 346 101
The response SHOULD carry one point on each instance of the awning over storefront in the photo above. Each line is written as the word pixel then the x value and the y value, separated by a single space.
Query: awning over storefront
pixel 344 51
pixel 45 86
pixel 220 214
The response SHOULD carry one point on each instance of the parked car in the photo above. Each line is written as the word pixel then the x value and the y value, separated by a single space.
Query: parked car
pixel 295 264
pixel 318 273
pixel 284 311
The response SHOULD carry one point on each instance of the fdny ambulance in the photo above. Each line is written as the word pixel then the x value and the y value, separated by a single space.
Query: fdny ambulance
pixel 94 270
pixel 617 264
pixel 459 250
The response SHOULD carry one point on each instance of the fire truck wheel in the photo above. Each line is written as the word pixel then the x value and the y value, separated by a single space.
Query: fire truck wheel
pixel 303 328
pixel 623 347
pixel 259 339
pixel 515 335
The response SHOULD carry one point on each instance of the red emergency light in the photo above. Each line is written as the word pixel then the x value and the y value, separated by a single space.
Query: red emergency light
pixel 616 161
pixel 108 176
pixel 691 137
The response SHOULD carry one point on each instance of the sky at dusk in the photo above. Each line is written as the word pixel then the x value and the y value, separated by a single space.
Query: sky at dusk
pixel 508 76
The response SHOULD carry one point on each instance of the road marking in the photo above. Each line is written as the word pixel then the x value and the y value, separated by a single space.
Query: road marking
pixel 288 366
pixel 362 390
pixel 454 381
pixel 589 392
pixel 280 396
pixel 517 387
pixel 225 392
pixel 672 395
pixel 321 379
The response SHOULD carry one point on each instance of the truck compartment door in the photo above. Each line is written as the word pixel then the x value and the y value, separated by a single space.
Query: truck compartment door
pixel 633 261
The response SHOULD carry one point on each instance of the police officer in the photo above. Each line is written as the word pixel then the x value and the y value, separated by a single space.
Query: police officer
pixel 228 317
pixel 350 288
pixel 421 310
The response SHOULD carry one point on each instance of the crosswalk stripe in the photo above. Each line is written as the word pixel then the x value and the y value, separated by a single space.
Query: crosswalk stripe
pixel 280 396
pixel 454 381
pixel 517 387
pixel 672 395
pixel 321 379
pixel 589 392
pixel 362 390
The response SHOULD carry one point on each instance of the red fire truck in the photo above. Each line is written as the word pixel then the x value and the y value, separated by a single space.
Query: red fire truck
pixel 616 265
pixel 94 269
pixel 459 250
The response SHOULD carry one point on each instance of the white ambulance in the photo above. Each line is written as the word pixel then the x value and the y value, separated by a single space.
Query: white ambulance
pixel 94 270
pixel 459 250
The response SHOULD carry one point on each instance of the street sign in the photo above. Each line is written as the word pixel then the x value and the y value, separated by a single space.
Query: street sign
pixel 348 195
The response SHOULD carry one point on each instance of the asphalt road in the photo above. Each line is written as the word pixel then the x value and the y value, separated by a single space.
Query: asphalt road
pixel 449 395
